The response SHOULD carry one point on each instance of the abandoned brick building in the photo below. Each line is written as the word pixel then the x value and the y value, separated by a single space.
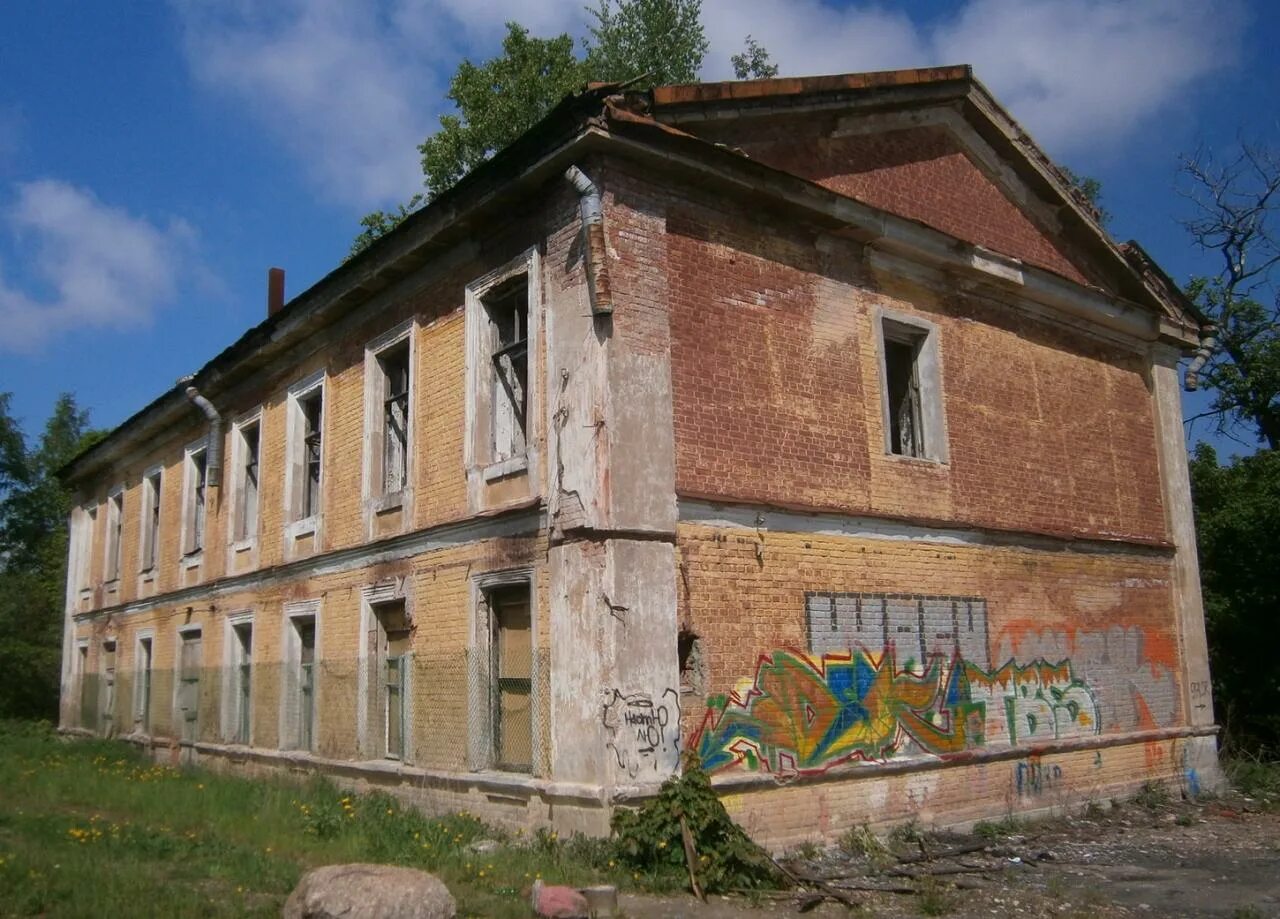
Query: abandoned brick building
pixel 813 425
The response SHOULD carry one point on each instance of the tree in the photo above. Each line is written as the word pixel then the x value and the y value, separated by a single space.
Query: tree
pixel 646 41
pixel 1237 510
pixel 1235 206
pixel 33 548
pixel 753 62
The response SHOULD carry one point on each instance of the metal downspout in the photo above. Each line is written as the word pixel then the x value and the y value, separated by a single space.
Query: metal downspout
pixel 593 223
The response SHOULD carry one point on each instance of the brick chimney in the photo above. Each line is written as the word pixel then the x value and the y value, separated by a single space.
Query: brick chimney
pixel 275 290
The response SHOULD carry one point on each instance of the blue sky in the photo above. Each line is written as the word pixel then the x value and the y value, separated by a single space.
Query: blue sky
pixel 155 162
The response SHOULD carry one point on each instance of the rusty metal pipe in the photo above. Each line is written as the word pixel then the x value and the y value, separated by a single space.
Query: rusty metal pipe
pixel 1208 341
pixel 593 233
pixel 213 459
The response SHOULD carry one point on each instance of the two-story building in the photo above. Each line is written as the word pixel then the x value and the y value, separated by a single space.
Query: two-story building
pixel 812 425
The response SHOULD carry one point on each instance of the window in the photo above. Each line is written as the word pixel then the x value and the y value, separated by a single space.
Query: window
pixel 387 667
pixel 142 685
pixel 502 329
pixel 87 685
pixel 115 518
pixel 84 561
pixel 911 394
pixel 107 695
pixel 511 680
pixel 190 661
pixel 237 700
pixel 388 417
pixel 298 706
pixel 197 462
pixel 246 448
pixel 306 453
pixel 150 548
pixel 507 308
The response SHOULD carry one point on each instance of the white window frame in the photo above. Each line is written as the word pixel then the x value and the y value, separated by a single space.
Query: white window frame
pixel 112 555
pixel 233 657
pixel 80 672
pixel 149 543
pixel 87 522
pixel 374 496
pixel 924 336
pixel 110 677
pixel 290 728
pixel 480 743
pixel 238 507
pixel 143 681
pixel 373 742
pixel 193 543
pixel 479 453
pixel 295 472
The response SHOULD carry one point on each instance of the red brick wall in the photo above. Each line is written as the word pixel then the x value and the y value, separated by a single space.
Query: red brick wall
pixel 921 173
pixel 776 382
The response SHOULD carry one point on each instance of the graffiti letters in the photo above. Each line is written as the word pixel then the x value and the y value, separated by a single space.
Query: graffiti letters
pixel 643 735
pixel 1033 778
pixel 803 715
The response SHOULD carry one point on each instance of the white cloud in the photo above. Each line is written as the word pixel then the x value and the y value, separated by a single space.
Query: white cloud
pixel 351 87
pixel 1078 74
pixel 98 266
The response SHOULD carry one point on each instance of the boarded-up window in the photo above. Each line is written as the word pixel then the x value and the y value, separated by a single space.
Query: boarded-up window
pixel 88 688
pixel 512 681
pixel 306 682
pixel 142 684
pixel 115 518
pixel 108 693
pixel 242 652
pixel 190 660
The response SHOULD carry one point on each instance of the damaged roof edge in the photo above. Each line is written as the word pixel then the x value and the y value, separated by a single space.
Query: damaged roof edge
pixel 564 122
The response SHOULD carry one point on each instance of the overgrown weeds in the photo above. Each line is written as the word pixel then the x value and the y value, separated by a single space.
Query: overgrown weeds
pixel 1258 778
pixel 1152 796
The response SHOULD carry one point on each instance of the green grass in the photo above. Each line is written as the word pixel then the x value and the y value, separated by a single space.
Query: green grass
pixel 89 827
pixel 1257 778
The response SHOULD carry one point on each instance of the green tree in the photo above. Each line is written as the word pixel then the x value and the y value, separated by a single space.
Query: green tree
pixel 33 548
pixel 1237 511
pixel 753 62
pixel 647 41
pixel 1235 212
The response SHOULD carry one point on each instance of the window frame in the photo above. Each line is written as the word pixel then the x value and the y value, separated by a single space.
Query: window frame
pixel 112 555
pixel 184 634
pixel 376 496
pixel 481 456
pixel 241 536
pixel 484 686
pixel 151 518
pixel 195 501
pixel 237 709
pixel 143 680
pixel 109 673
pixel 375 602
pixel 291 708
pixel 87 522
pixel 300 520
pixel 924 337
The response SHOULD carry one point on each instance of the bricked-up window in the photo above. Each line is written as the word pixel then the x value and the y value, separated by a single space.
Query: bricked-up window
pixel 196 481
pixel 305 454
pixel 247 447
pixel 150 548
pixel 115 521
pixel 911 392
pixel 507 306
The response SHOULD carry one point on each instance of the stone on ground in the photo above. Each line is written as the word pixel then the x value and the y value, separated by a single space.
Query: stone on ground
pixel 554 901
pixel 369 892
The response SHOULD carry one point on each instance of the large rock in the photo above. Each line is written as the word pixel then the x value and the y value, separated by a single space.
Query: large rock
pixel 554 901
pixel 369 892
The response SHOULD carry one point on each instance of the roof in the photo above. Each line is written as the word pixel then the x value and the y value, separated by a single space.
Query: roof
pixel 588 121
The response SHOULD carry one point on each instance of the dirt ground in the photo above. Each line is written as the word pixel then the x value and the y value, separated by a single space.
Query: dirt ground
pixel 1151 857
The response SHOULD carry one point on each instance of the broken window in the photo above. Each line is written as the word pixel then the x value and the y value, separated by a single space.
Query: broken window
pixel 108 692
pixel 911 389
pixel 241 686
pixel 507 306
pixel 903 383
pixel 115 518
pixel 246 484
pixel 150 520
pixel 394 364
pixel 190 660
pixel 305 451
pixel 142 686
pixel 389 658
pixel 197 469
pixel 511 663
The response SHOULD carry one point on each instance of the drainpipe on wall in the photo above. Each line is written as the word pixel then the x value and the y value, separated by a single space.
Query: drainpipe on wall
pixel 213 459
pixel 593 223
pixel 1208 341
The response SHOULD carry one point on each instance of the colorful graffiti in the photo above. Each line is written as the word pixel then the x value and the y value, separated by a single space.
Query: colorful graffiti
pixel 804 715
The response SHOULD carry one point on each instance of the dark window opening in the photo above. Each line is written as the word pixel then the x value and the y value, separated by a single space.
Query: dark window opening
pixel 247 512
pixel 508 309
pixel 306 629
pixel 906 434
pixel 152 547
pixel 199 470
pixel 243 687
pixel 395 417
pixel 312 406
